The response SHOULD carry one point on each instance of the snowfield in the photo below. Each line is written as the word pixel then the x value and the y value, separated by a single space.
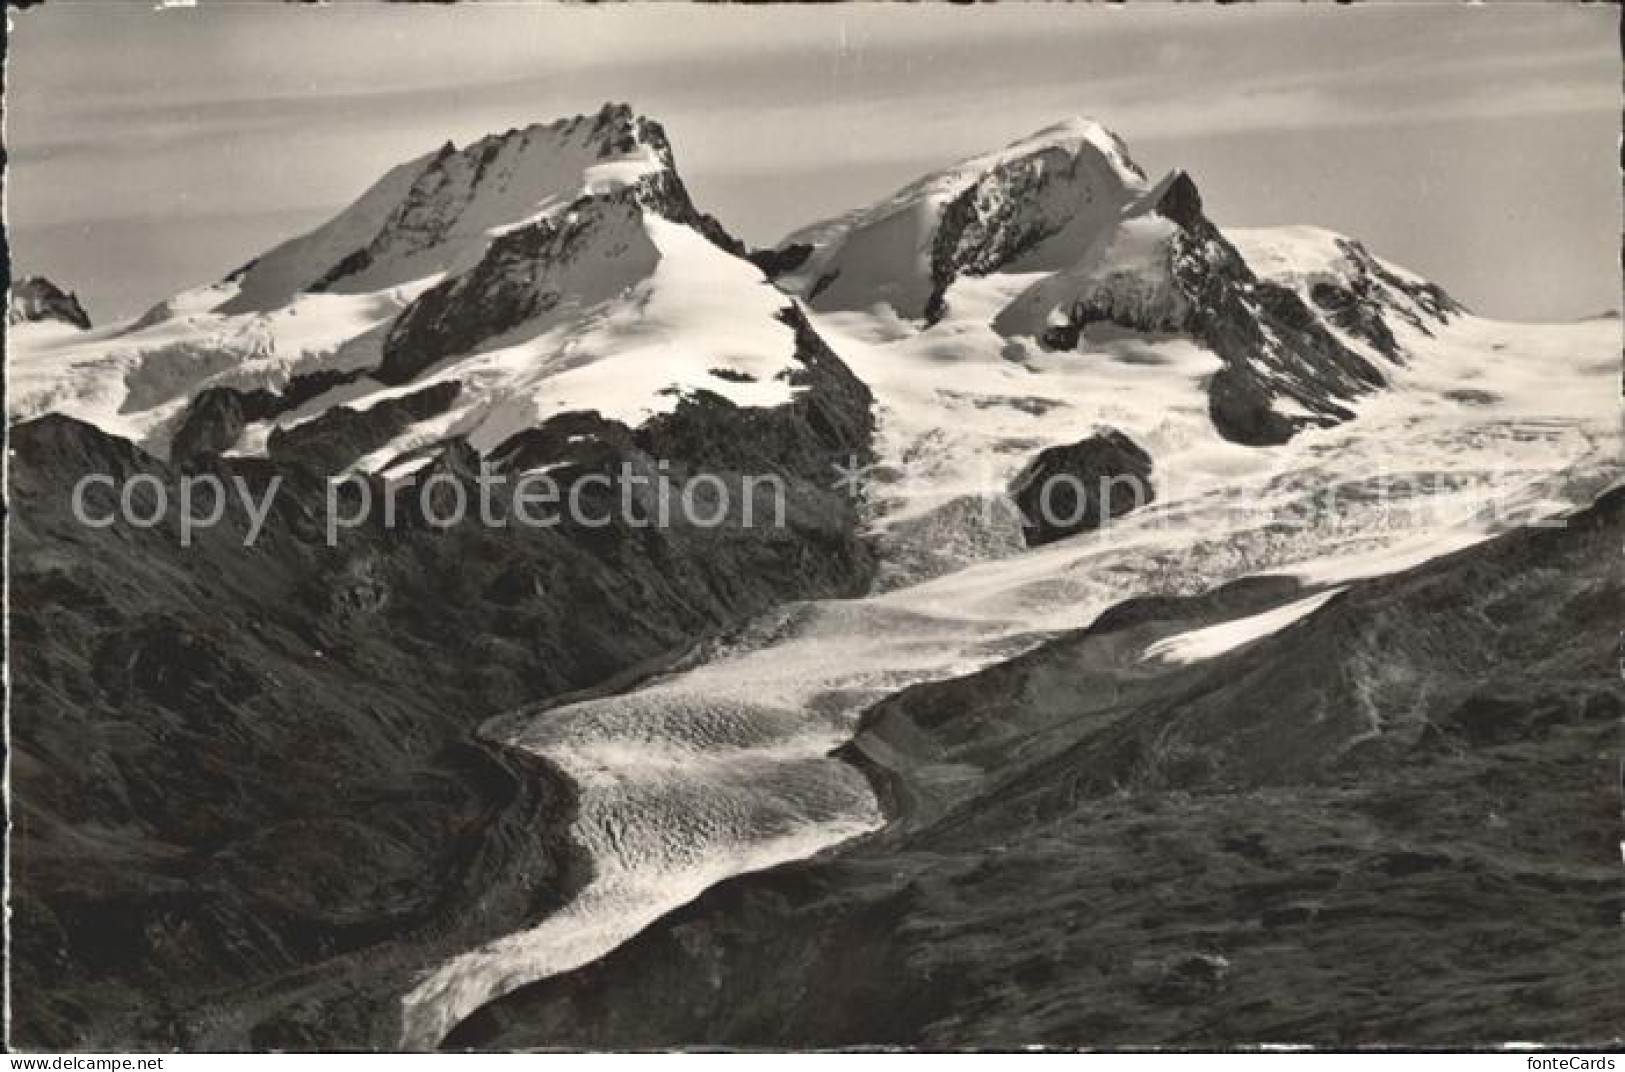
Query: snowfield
pixel 133 379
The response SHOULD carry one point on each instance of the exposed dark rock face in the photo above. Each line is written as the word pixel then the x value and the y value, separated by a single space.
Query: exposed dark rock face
pixel 524 274
pixel 1373 293
pixel 1015 206
pixel 1181 201
pixel 35 298
pixel 215 417
pixel 354 264
pixel 341 436
pixel 828 421
pixel 1350 309
pixel 776 262
pixel 212 790
pixel 622 130
pixel 1078 487
pixel 665 193
pixel 213 421
pixel 1090 848
pixel 1273 346
pixel 1284 367
pixel 250 804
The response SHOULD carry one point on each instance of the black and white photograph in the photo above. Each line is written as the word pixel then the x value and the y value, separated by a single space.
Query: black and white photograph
pixel 857 528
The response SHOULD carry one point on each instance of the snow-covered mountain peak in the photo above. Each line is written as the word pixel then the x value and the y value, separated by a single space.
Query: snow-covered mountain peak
pixel 435 214
pixel 557 245
pixel 1035 204
pixel 1075 135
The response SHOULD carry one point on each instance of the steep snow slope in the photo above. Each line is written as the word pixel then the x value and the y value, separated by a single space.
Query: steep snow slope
pixel 435 214
pixel 302 263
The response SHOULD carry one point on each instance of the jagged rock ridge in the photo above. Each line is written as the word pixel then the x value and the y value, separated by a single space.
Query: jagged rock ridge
pixel 35 299
pixel 435 213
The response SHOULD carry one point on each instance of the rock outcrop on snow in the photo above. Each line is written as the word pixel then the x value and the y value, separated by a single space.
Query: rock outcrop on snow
pixel 1080 486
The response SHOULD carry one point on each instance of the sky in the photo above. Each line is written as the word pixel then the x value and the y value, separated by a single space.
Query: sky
pixel 152 150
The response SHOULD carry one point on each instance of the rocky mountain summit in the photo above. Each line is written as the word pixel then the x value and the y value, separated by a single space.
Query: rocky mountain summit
pixel 434 214
pixel 35 299
pixel 552 237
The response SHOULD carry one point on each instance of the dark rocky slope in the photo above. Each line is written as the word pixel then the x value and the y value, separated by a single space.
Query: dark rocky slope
pixel 34 299
pixel 249 800
pixel 1284 369
pixel 1394 821
pixel 523 274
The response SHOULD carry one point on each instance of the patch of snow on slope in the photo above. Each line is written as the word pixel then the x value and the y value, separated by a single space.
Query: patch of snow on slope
pixel 963 409
pixel 1215 640
pixel 1292 256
